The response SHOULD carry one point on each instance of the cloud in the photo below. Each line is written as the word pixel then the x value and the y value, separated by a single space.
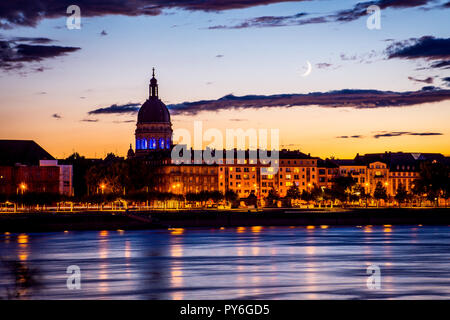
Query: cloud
pixel 353 98
pixel 350 137
pixel 323 65
pixel 34 40
pixel 129 108
pixel 447 81
pixel 14 54
pixel 56 116
pixel 124 121
pixel 405 133
pixel 426 80
pixel 103 33
pixel 444 64
pixel 357 11
pixel 219 56
pixel 427 47
pixel 265 21
pixel 16 13
pixel 89 120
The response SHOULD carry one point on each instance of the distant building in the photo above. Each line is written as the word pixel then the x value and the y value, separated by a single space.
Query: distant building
pixel 65 175
pixel 27 167
pixel 153 128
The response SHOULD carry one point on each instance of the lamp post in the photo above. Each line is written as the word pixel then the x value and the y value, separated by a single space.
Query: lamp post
pixel 23 187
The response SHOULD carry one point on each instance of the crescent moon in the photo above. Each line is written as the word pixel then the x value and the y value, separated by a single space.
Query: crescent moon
pixel 308 71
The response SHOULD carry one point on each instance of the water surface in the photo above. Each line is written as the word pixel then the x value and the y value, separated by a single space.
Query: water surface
pixel 233 263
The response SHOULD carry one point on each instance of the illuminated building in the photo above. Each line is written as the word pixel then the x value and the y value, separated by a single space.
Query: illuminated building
pixel 153 128
pixel 26 167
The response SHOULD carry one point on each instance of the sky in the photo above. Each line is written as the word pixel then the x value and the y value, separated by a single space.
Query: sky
pixel 230 64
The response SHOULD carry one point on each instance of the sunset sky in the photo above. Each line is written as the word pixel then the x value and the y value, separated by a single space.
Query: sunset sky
pixel 52 79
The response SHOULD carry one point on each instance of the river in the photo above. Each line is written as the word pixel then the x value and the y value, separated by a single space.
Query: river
pixel 234 263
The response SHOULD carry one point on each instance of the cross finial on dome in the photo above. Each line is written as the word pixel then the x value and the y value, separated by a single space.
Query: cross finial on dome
pixel 153 72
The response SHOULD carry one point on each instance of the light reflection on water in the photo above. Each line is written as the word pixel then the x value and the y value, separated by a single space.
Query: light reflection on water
pixel 236 263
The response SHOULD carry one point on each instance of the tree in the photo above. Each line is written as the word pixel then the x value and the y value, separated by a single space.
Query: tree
pixel 342 187
pixel 252 199
pixel 379 192
pixel 293 192
pixel 231 197
pixel 272 197
pixel 401 194
pixel 434 181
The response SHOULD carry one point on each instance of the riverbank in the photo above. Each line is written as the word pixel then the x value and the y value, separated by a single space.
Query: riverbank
pixel 101 220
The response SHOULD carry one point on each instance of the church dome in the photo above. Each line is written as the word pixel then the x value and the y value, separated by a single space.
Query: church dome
pixel 153 110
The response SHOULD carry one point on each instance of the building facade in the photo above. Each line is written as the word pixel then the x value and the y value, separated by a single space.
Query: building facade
pixel 154 128
pixel 27 167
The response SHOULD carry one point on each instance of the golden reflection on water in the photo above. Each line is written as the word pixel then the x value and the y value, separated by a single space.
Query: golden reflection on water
pixel 103 254
pixel 176 231
pixel 311 269
pixel 256 229
pixel 240 229
pixel 176 268
pixel 22 240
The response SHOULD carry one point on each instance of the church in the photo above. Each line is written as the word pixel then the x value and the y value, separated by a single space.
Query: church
pixel 153 135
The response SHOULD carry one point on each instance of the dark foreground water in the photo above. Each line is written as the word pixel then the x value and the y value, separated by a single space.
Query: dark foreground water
pixel 235 263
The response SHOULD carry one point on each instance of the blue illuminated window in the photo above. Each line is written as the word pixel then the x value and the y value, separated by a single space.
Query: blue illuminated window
pixel 161 143
pixel 144 144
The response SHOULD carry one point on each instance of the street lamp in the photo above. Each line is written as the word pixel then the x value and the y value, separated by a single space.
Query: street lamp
pixel 23 187
pixel 102 186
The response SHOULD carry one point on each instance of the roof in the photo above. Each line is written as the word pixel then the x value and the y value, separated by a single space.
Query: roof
pixel 153 110
pixel 25 152
pixel 400 161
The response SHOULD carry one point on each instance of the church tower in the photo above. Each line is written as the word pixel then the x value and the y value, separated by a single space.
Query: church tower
pixel 153 128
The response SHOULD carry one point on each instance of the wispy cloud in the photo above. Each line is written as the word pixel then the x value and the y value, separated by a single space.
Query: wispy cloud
pixel 358 99
pixel 427 47
pixel 17 52
pixel 128 108
pixel 56 116
pixel 89 120
pixel 428 80
pixel 357 11
pixel 446 81
pixel 350 137
pixel 406 133
pixel 16 13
